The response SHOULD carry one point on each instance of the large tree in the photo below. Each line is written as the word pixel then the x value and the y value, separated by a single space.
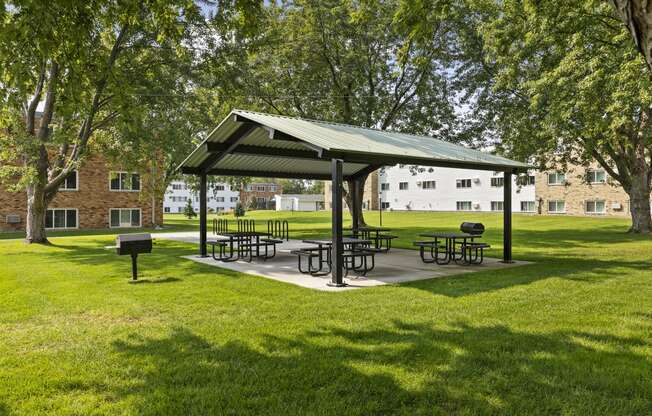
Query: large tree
pixel 571 88
pixel 71 70
pixel 349 62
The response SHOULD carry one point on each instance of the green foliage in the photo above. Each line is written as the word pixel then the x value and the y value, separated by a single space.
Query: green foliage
pixel 188 210
pixel 578 88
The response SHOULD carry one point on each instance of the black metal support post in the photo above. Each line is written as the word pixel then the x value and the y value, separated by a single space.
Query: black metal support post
pixel 337 258
pixel 507 218
pixel 134 266
pixel 202 216
pixel 380 210
pixel 356 208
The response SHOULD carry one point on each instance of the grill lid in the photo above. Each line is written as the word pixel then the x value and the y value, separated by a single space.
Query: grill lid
pixel 475 228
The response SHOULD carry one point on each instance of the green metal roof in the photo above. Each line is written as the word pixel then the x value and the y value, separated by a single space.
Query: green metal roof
pixel 291 147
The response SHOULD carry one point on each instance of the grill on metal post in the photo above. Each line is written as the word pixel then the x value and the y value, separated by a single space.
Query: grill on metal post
pixel 132 245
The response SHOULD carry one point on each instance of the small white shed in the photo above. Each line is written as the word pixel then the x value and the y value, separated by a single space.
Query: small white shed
pixel 299 202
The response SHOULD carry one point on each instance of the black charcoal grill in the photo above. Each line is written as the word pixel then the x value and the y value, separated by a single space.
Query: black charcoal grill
pixel 473 228
pixel 133 245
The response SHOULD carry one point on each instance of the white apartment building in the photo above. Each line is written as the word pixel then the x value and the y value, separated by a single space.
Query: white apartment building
pixel 402 188
pixel 220 198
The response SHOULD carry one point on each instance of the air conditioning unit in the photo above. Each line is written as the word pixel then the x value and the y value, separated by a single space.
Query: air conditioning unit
pixel 418 183
pixel 13 219
pixel 616 205
pixel 476 180
pixel 476 205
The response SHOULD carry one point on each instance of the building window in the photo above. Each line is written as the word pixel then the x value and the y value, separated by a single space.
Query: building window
pixel 595 207
pixel 219 187
pixel 463 183
pixel 124 217
pixel 384 186
pixel 61 218
pixel 179 209
pixel 556 178
pixel 497 182
pixel 178 186
pixel 464 205
pixel 527 206
pixel 525 180
pixel 178 198
pixel 70 183
pixel 497 205
pixel 558 207
pixel 596 176
pixel 124 181
pixel 384 205
pixel 428 184
pixel 166 210
pixel 219 199
pixel 403 186
pixel 234 199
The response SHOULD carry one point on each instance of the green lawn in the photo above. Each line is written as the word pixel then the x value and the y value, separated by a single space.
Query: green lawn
pixel 571 334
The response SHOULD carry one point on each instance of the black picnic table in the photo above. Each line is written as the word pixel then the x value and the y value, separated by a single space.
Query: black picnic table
pixel 324 245
pixel 450 242
pixel 375 234
pixel 245 245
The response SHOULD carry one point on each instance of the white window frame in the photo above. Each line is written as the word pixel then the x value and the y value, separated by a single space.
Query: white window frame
pixel 53 228
pixel 76 188
pixel 556 183
pixel 430 188
pixel 167 210
pixel 556 201
pixel 140 217
pixel 140 182
pixel 528 202
pixel 458 204
pixel 595 201
pixel 407 186
pixel 527 179
pixel 385 205
pixel 496 203
pixel 384 186
pixel 500 180
pixel 594 171
pixel 459 182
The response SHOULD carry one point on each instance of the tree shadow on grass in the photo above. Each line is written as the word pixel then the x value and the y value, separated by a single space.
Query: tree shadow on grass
pixel 587 271
pixel 404 368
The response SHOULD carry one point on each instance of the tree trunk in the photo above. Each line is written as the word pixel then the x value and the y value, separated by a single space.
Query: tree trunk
pixel 637 16
pixel 36 209
pixel 37 201
pixel 349 200
pixel 639 204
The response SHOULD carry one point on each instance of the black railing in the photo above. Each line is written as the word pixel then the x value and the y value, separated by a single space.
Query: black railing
pixel 279 229
pixel 220 225
pixel 246 226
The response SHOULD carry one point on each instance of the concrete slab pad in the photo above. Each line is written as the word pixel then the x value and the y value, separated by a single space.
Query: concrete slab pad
pixel 397 266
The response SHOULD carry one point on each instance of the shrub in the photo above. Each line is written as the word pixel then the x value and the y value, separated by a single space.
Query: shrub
pixel 239 210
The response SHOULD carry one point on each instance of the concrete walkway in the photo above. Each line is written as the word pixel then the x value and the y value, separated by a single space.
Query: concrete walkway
pixel 397 266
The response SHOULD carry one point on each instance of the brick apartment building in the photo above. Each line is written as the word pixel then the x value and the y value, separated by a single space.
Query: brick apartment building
pixel 369 194
pixel 260 195
pixel 580 191
pixel 95 196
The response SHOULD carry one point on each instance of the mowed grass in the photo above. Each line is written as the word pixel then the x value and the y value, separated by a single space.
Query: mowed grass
pixel 570 334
